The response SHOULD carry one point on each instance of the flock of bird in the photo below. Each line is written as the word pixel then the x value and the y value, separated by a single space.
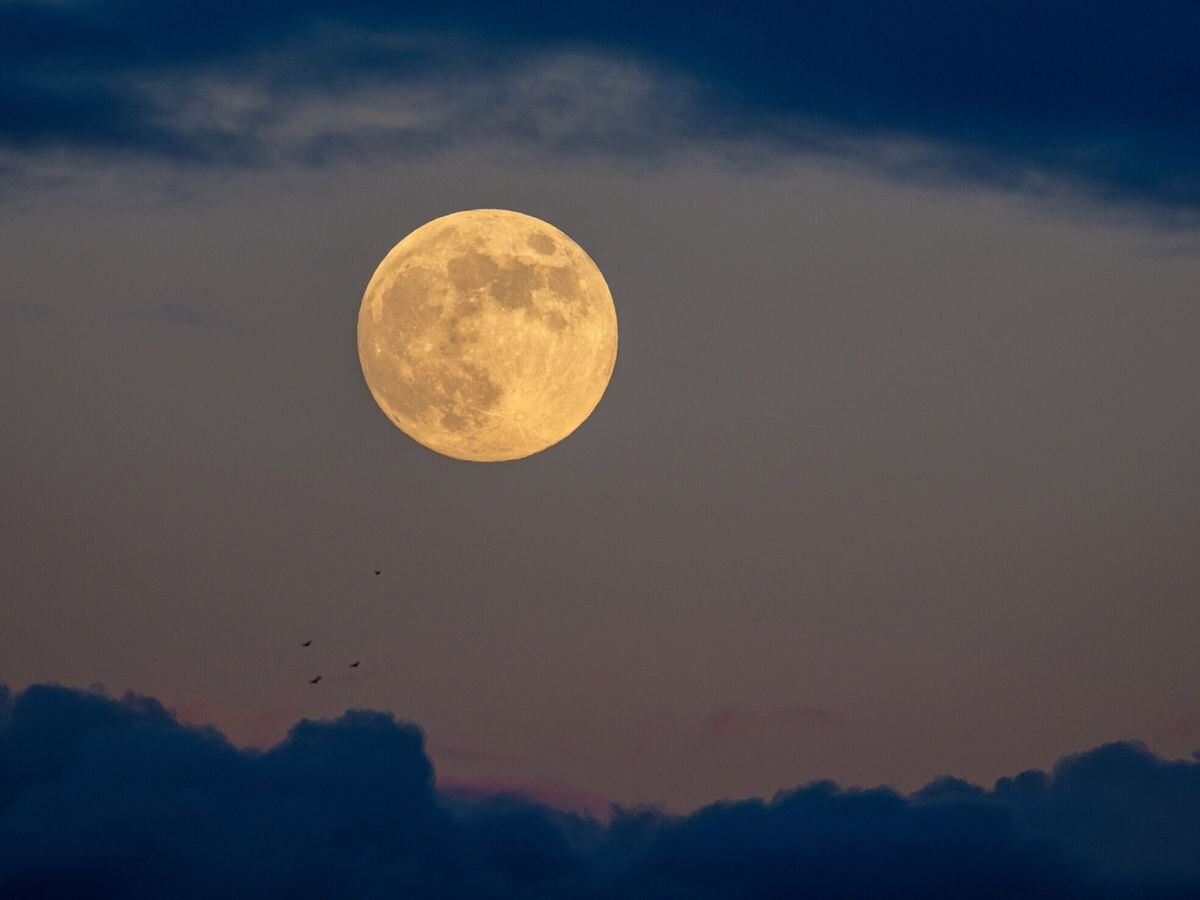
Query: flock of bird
pixel 353 665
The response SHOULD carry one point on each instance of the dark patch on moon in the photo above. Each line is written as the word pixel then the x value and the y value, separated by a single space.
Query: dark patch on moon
pixel 454 422
pixel 413 303
pixel 511 284
pixel 564 281
pixel 542 244
pixel 514 285
pixel 474 393
pixel 460 395
pixel 472 271
pixel 555 320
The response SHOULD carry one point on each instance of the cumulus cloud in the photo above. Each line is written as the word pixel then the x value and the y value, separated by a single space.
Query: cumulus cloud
pixel 1096 96
pixel 102 797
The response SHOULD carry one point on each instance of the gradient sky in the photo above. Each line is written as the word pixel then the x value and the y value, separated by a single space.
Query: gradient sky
pixel 896 475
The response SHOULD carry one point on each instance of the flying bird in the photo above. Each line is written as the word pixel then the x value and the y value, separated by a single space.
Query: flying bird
pixel 354 665
pixel 314 680
pixel 306 643
pixel 378 571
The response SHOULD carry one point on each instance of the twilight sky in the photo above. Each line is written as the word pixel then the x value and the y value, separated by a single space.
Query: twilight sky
pixel 896 475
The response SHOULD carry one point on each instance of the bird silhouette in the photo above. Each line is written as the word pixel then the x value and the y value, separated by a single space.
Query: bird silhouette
pixel 306 643
pixel 378 571
pixel 354 665
pixel 314 680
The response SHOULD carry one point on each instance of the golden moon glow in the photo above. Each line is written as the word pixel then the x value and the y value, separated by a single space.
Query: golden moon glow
pixel 487 335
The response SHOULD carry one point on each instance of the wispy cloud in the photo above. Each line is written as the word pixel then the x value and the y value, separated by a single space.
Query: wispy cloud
pixel 1097 97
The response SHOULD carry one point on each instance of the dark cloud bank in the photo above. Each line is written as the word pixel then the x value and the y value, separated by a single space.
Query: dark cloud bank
pixel 105 798
pixel 1102 95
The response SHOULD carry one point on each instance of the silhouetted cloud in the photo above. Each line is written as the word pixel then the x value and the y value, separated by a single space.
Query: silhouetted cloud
pixel 1099 95
pixel 547 792
pixel 114 798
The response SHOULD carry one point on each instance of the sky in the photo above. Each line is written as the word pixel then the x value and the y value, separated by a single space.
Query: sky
pixel 895 477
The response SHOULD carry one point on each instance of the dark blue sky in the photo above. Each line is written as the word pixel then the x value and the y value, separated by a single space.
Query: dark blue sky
pixel 1102 97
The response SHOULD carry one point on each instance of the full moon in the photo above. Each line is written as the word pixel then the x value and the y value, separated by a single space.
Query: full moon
pixel 487 335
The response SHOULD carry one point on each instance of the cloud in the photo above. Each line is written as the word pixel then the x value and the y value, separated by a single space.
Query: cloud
pixel 1098 96
pixel 101 797
pixel 546 792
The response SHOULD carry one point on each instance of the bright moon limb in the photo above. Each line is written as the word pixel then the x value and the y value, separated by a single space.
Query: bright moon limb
pixel 487 335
